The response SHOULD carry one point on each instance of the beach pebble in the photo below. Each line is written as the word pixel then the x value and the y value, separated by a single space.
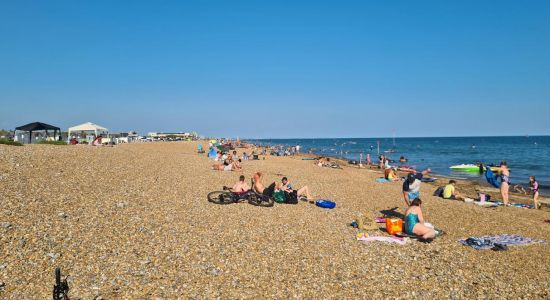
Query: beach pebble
pixel 133 222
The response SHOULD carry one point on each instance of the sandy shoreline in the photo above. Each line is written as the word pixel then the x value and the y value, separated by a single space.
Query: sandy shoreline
pixel 133 221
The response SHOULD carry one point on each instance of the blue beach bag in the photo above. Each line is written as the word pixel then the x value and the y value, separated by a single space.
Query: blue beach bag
pixel 325 203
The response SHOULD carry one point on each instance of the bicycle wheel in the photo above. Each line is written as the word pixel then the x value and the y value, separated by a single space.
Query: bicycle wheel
pixel 260 200
pixel 221 197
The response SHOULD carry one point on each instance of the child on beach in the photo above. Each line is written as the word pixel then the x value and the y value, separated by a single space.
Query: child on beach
pixel 414 222
pixel 449 192
pixel 534 186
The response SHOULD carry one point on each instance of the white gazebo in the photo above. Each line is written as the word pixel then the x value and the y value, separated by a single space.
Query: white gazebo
pixel 89 127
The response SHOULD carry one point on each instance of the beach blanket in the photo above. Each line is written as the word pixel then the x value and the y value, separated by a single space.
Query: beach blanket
pixel 488 241
pixel 519 205
pixel 382 180
pixel 387 239
pixel 486 204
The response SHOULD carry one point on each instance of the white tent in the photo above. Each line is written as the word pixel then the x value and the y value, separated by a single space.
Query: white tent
pixel 89 127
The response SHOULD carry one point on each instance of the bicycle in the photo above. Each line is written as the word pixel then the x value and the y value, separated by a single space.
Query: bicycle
pixel 227 197
pixel 61 287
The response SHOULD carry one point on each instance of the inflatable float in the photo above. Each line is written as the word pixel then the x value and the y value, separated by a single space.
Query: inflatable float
pixel 407 169
pixel 470 168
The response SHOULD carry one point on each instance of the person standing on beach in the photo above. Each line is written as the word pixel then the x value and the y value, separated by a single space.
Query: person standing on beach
pixel 534 186
pixel 381 162
pixel 504 182
pixel 411 186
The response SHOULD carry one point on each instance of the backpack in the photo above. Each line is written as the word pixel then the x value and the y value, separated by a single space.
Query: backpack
pixel 279 196
pixel 291 198
pixel 439 191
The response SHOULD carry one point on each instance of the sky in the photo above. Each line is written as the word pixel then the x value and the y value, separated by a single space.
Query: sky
pixel 278 69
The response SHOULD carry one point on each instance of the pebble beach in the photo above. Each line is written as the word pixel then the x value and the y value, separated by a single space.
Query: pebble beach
pixel 133 222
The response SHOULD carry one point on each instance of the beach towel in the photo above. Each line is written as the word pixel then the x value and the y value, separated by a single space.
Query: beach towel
pixel 491 179
pixel 486 204
pixel 382 180
pixel 387 239
pixel 488 241
pixel 519 205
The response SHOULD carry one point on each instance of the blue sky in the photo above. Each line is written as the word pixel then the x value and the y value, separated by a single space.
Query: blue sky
pixel 279 68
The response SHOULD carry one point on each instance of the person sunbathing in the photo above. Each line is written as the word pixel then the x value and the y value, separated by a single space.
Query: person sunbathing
pixel 223 167
pixel 259 186
pixel 414 222
pixel 287 187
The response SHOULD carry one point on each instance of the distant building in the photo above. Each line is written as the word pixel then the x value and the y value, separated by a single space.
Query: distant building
pixel 171 135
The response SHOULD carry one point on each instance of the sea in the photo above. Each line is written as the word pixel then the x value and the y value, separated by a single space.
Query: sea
pixel 525 155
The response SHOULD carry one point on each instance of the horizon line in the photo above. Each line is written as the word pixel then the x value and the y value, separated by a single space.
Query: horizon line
pixel 401 137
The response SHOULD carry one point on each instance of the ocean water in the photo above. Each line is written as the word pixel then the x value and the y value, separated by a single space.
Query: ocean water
pixel 526 155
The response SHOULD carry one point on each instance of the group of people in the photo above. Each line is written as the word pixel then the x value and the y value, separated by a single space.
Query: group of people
pixel 505 183
pixel 257 186
pixel 284 151
pixel 414 219
pixel 228 162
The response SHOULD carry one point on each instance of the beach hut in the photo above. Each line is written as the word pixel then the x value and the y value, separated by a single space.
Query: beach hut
pixel 37 126
pixel 89 127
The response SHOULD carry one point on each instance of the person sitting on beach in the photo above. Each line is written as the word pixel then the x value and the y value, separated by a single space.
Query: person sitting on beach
pixel 414 222
pixel 200 149
pixel 390 174
pixel 449 192
pixel 320 162
pixel 259 186
pixel 287 187
pixel 240 186
pixel 97 141
pixel 237 164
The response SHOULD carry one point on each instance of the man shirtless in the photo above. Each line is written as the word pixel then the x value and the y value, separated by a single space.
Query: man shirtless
pixel 259 186
pixel 240 186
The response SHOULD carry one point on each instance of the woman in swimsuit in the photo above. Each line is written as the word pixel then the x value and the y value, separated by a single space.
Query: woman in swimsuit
pixel 504 182
pixel 414 221
pixel 534 185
